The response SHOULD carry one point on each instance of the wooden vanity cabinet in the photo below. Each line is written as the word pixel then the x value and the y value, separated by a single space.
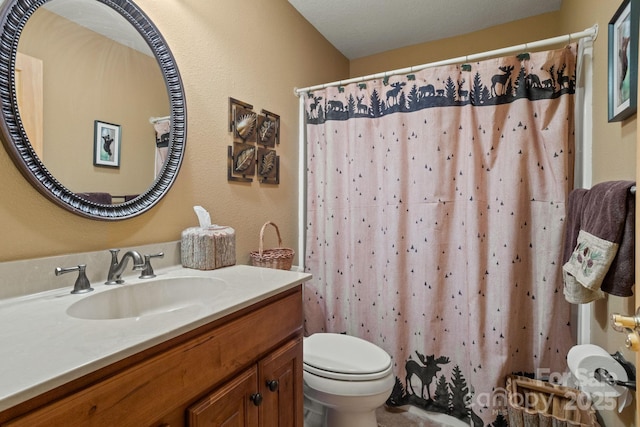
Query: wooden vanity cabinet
pixel 265 395
pixel 242 370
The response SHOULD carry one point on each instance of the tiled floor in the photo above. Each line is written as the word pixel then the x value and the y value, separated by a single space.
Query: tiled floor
pixel 401 419
pixel 398 417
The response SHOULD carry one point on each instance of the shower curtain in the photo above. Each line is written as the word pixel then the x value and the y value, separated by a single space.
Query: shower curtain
pixel 434 224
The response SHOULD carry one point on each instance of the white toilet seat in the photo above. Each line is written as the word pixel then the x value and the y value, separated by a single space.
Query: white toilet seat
pixel 347 377
pixel 344 357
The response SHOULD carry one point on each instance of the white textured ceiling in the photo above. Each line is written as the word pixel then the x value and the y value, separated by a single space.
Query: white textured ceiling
pixel 102 19
pixel 99 18
pixel 360 28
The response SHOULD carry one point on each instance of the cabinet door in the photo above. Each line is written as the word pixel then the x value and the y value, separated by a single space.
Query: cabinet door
pixel 229 406
pixel 281 385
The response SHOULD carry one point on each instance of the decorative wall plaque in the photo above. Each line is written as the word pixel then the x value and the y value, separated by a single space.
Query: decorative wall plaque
pixel 268 129
pixel 251 130
pixel 268 166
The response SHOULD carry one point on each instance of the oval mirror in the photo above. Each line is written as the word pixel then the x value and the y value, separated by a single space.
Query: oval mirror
pixel 93 109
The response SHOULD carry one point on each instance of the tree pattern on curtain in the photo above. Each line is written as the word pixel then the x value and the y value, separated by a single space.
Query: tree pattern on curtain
pixel 435 217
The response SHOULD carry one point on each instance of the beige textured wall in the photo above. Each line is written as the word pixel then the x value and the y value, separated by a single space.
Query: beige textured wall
pixel 514 33
pixel 614 144
pixel 256 52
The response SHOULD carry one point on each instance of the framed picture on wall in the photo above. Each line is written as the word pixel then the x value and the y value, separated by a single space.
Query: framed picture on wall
pixel 106 144
pixel 623 61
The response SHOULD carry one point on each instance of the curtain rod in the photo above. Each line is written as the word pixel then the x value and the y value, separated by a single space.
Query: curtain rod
pixel 589 32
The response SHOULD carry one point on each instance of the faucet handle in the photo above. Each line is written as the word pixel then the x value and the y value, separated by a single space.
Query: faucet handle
pixel 82 284
pixel 147 272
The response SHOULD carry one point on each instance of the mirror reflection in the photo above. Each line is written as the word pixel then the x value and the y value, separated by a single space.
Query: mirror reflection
pixel 81 64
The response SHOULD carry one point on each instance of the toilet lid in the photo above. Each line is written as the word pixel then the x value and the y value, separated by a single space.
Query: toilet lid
pixel 342 356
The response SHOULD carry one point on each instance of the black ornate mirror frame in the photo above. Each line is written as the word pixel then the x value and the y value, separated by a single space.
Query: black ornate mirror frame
pixel 13 18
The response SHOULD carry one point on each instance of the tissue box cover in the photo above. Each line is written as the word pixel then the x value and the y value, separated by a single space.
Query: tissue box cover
pixel 208 248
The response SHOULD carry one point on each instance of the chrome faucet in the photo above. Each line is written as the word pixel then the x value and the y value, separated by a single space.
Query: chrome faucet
pixel 147 272
pixel 82 284
pixel 116 268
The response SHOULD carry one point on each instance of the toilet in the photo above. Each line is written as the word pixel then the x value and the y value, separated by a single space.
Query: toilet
pixel 345 380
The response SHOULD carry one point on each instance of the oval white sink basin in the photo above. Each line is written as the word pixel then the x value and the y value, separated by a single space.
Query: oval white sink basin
pixel 147 298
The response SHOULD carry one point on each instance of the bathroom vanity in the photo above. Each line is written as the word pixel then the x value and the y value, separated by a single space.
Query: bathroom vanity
pixel 234 356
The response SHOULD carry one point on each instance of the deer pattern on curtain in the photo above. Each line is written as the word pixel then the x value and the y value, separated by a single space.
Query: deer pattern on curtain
pixel 435 217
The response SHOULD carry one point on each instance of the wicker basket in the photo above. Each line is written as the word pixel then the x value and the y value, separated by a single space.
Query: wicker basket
pixel 533 403
pixel 279 257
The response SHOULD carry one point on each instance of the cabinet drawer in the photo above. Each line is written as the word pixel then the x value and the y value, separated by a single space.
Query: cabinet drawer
pixel 145 391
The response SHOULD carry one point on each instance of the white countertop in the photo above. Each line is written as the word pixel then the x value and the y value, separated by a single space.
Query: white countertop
pixel 43 347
